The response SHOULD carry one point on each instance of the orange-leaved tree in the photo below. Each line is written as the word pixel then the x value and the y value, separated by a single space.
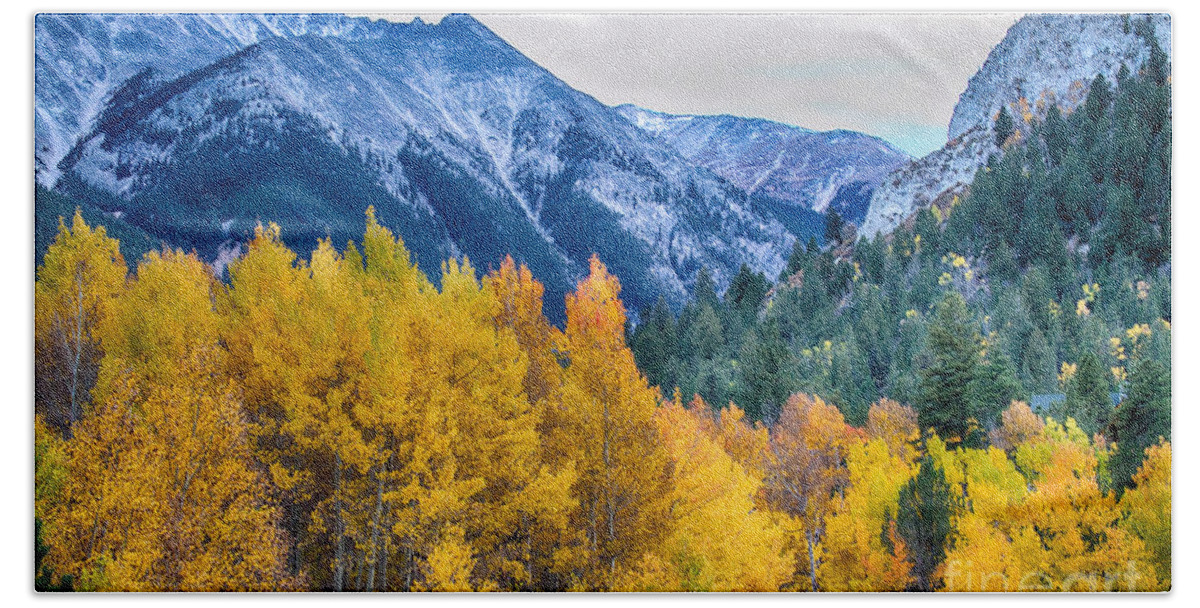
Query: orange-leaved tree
pixel 624 481
pixel 807 468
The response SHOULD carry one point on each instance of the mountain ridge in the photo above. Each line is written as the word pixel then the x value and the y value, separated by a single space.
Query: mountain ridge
pixel 791 165
pixel 1043 59
pixel 460 141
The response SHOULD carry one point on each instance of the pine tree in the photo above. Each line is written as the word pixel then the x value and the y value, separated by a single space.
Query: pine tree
pixel 705 290
pixel 923 521
pixel 946 403
pixel 1004 126
pixel 994 386
pixel 766 371
pixel 1087 400
pixel 655 345
pixel 1141 419
pixel 745 294
pixel 833 227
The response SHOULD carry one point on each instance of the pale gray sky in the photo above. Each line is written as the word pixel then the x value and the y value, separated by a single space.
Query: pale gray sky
pixel 893 75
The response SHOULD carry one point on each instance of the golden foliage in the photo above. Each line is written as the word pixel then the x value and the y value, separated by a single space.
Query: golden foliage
pixel 719 540
pixel 1045 527
pixel 861 550
pixel 413 437
pixel 808 449
pixel 623 476
pixel 161 490
pixel 1147 509
pixel 81 275
pixel 896 425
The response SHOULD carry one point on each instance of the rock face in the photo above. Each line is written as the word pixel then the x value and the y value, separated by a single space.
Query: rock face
pixel 791 166
pixel 1042 59
pixel 1046 58
pixel 945 172
pixel 196 127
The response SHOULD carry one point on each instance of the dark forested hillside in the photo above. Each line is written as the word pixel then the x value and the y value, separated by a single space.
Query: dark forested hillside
pixel 1059 255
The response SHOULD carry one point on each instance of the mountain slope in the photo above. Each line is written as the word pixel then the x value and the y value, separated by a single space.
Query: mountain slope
pixel 461 143
pixel 790 166
pixel 1054 57
pixel 1043 59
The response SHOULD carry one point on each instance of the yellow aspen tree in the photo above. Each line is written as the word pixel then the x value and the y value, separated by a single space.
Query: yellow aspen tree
pixel 861 549
pixel 162 492
pixel 1147 509
pixel 49 475
pixel 807 469
pixel 446 402
pixel 748 444
pixel 296 344
pixel 896 425
pixel 718 540
pixel 623 478
pixel 450 564
pixel 519 298
pixel 81 275
pixel 1045 527
pixel 476 372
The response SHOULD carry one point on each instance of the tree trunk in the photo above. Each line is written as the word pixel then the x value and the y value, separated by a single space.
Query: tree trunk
pixel 375 523
pixel 812 563
pixel 383 567
pixel 339 566
pixel 77 355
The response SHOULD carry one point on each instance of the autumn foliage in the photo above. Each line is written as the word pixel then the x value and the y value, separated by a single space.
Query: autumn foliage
pixel 342 422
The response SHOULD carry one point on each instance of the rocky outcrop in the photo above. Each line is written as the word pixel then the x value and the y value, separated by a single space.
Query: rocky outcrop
pixel 1053 58
pixel 1043 59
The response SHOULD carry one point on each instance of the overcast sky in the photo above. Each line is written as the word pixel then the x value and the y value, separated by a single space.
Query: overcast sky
pixel 896 76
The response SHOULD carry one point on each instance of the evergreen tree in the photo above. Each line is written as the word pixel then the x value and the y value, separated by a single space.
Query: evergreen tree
pixel 946 401
pixel 923 521
pixel 797 260
pixel 704 337
pixel 1056 134
pixel 994 386
pixel 746 293
pixel 1141 419
pixel 1002 264
pixel 767 371
pixel 654 344
pixel 1087 400
pixel 1004 127
pixel 1098 98
pixel 705 289
pixel 833 227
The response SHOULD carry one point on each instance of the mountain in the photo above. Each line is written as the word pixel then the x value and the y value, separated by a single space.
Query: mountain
pixel 1043 59
pixel 791 168
pixel 1053 58
pixel 196 127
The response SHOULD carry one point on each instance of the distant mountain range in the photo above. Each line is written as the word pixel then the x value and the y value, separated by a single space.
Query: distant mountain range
pixel 190 129
pixel 193 128
pixel 795 168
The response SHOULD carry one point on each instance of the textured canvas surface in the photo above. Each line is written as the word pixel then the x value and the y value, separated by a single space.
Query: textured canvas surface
pixel 603 302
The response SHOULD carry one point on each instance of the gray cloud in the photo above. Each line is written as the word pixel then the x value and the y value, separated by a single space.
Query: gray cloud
pixel 894 75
